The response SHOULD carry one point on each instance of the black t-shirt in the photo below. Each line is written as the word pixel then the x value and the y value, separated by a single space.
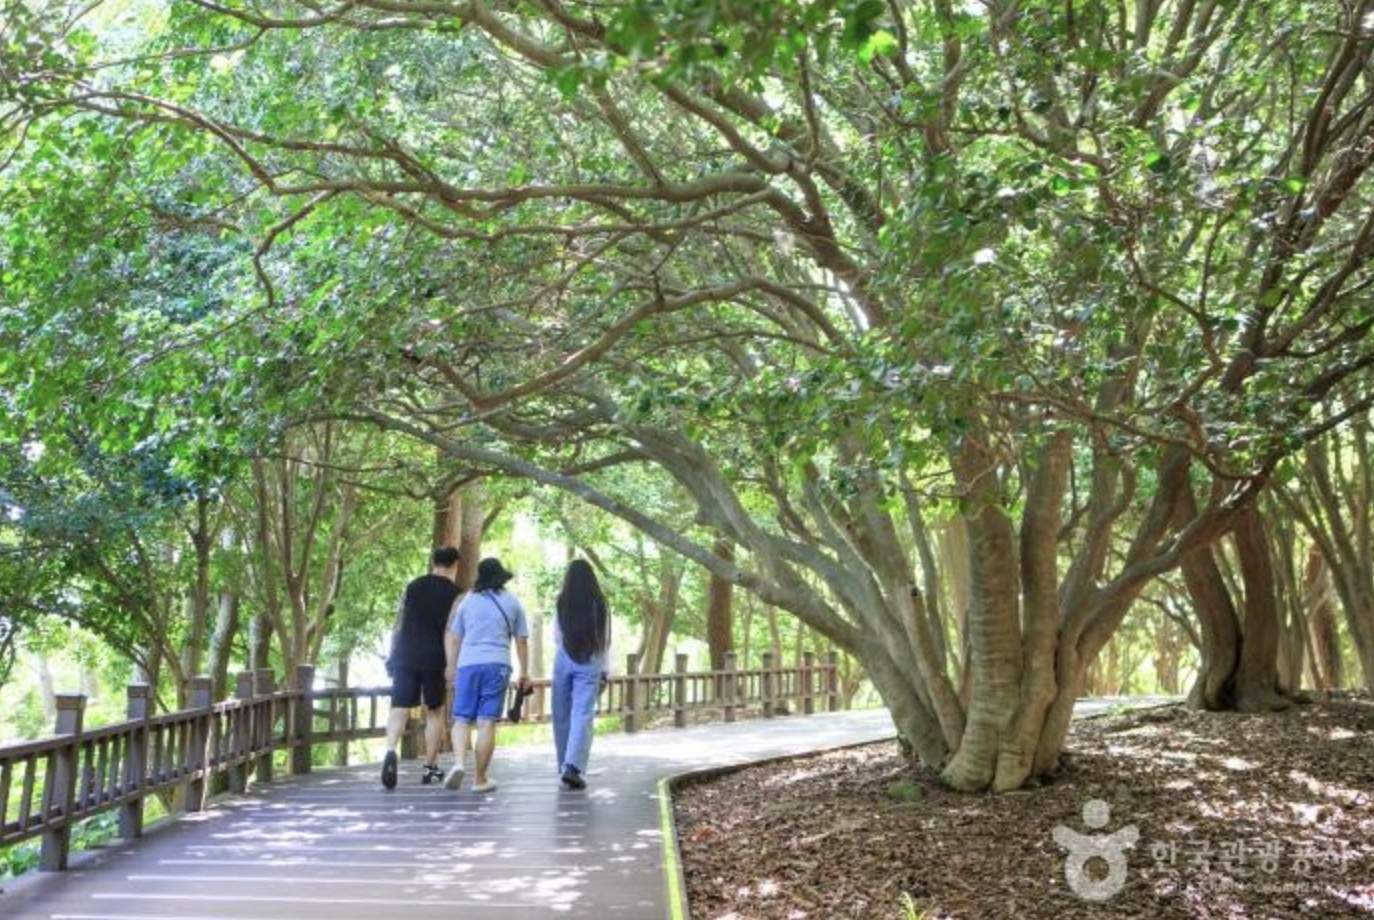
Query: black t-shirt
pixel 424 616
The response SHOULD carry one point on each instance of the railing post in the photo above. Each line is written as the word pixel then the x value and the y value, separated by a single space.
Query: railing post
pixel 59 789
pixel 264 686
pixel 304 721
pixel 832 680
pixel 136 762
pixel 731 686
pixel 680 691
pixel 201 698
pixel 767 688
pixel 243 732
pixel 631 693
pixel 808 676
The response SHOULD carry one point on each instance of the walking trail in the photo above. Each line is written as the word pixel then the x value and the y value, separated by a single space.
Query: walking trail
pixel 334 845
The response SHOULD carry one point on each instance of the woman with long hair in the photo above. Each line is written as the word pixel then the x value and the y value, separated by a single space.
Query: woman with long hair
pixel 582 633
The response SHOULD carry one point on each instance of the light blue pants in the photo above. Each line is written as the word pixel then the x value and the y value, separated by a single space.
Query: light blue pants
pixel 575 689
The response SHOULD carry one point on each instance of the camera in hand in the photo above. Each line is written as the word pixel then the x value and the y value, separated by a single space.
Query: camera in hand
pixel 516 711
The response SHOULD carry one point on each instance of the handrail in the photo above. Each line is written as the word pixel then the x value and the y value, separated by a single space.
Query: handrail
pixel 49 784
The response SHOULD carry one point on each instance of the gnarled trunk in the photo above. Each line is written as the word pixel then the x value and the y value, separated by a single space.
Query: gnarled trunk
pixel 1240 640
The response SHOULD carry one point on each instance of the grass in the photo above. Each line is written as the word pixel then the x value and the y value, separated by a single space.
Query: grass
pixel 909 909
pixel 905 791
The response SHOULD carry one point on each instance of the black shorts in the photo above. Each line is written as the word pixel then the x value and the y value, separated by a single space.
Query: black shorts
pixel 408 685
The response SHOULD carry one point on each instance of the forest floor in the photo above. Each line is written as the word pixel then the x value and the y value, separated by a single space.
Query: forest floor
pixel 1236 816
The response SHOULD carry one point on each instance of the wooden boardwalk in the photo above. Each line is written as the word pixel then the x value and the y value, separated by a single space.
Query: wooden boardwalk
pixel 335 845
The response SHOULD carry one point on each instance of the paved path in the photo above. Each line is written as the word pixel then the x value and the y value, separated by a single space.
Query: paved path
pixel 335 846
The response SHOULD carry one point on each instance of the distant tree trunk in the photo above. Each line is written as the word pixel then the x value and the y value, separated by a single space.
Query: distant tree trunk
pixel 1334 501
pixel 222 641
pixel 774 634
pixel 852 677
pixel 260 643
pixel 1319 600
pixel 747 645
pixel 719 610
pixel 147 670
pixel 1293 614
pixel 659 615
pixel 1168 650
pixel 198 598
pixel 47 689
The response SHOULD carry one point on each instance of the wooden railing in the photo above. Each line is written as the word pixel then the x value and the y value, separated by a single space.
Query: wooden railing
pixel 49 785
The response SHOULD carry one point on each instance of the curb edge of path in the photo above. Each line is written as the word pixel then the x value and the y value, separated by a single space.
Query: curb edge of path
pixel 673 871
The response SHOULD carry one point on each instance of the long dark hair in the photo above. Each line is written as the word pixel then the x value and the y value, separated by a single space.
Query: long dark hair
pixel 583 618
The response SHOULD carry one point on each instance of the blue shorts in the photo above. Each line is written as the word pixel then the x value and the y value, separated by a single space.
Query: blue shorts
pixel 479 693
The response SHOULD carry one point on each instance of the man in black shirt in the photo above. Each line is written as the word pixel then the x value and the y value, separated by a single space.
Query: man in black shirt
pixel 417 661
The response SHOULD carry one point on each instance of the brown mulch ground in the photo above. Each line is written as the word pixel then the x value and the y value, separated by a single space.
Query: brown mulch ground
pixel 1239 816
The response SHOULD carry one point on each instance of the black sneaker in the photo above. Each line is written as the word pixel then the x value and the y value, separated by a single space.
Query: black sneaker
pixel 431 775
pixel 389 765
pixel 572 778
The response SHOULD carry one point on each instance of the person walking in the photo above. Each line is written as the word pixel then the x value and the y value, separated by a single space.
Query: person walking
pixel 417 661
pixel 582 634
pixel 478 645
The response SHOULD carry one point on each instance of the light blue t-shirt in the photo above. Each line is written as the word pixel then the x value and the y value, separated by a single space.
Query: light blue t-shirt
pixel 487 622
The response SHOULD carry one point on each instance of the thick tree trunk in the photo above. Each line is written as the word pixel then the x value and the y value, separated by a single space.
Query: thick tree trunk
pixel 994 616
pixel 473 505
pixel 448 514
pixel 1219 631
pixel 1239 666
pixel 719 610
pixel 1257 674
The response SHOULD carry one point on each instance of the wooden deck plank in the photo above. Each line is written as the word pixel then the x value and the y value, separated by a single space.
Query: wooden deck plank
pixel 335 845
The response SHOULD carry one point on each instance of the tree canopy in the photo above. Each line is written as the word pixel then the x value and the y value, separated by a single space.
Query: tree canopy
pixel 1085 276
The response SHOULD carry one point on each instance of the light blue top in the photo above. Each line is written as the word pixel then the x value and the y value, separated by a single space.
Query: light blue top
pixel 487 622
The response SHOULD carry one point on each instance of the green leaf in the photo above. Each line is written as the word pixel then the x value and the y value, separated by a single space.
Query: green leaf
pixel 879 43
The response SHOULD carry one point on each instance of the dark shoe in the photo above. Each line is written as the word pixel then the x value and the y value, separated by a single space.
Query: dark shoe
pixel 572 778
pixel 431 775
pixel 389 765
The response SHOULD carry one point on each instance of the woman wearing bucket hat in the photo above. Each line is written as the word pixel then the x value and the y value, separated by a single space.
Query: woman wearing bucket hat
pixel 478 646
